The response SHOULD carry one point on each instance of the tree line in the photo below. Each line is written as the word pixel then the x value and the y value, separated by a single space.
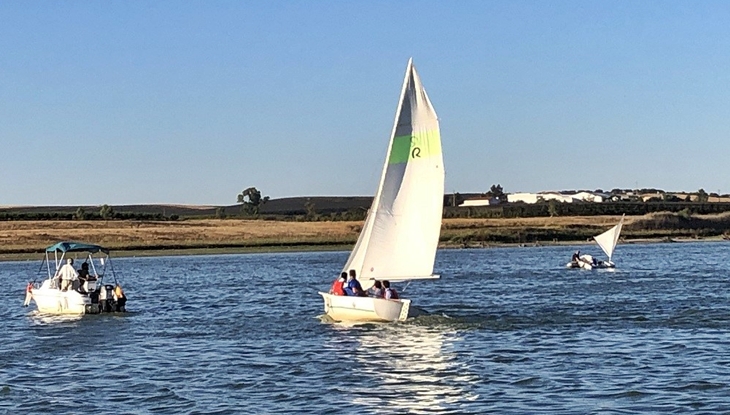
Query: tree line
pixel 251 202
pixel 106 212
pixel 552 208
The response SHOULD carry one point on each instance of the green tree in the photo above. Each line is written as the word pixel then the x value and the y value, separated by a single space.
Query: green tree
pixel 702 196
pixel 220 213
pixel 251 200
pixel 80 214
pixel 497 192
pixel 106 212
pixel 553 207
pixel 456 199
pixel 310 208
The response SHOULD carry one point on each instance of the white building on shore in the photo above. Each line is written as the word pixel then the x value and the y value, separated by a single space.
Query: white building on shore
pixel 589 197
pixel 479 201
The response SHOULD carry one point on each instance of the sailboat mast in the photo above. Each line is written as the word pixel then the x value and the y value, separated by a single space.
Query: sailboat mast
pixel 616 236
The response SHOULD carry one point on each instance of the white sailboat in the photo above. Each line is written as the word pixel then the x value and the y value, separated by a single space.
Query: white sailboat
pixel 607 241
pixel 400 236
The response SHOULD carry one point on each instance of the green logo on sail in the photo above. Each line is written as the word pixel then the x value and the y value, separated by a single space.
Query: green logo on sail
pixel 418 146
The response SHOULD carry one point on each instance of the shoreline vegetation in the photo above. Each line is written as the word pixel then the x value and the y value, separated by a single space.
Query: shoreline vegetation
pixel 23 240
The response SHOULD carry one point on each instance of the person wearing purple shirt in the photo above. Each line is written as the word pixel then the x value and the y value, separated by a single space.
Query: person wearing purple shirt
pixel 390 293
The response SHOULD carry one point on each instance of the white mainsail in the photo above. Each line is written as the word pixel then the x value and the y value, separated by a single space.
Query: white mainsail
pixel 401 232
pixel 608 240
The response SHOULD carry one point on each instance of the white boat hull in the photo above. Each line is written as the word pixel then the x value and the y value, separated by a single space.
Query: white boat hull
pixel 364 309
pixel 51 300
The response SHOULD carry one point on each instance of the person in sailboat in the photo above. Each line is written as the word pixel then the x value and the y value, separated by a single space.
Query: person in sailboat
pixel 389 293
pixel 338 286
pixel 353 285
pixel 575 257
pixel 377 290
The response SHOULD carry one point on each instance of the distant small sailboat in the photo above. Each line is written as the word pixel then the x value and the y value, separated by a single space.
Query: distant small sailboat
pixel 400 236
pixel 607 241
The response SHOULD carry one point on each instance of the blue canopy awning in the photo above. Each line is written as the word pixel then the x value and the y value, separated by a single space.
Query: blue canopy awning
pixel 76 247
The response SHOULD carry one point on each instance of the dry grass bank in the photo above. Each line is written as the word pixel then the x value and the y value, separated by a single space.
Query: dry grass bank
pixel 24 236
pixel 33 236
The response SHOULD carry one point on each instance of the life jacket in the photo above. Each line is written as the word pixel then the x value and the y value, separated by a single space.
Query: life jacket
pixel 118 293
pixel 337 287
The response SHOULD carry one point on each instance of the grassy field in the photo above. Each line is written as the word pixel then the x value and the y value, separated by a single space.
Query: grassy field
pixel 27 236
pixel 18 239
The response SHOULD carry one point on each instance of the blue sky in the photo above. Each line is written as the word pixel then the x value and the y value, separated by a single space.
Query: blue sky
pixel 187 102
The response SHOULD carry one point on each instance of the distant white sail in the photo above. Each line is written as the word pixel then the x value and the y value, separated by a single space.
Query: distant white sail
pixel 608 240
pixel 401 232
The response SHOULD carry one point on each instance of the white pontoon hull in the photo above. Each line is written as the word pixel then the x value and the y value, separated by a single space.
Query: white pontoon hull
pixel 364 309
pixel 51 300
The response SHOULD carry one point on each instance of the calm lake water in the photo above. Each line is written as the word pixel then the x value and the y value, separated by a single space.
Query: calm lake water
pixel 511 332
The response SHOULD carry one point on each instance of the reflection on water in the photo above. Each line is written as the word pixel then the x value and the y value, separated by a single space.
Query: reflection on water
pixel 405 367
pixel 416 368
pixel 39 318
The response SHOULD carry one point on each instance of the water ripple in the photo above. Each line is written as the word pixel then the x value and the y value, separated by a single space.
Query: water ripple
pixel 510 331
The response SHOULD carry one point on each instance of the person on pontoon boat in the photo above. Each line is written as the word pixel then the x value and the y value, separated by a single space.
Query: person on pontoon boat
pixel 67 274
pixel 120 300
pixel 83 276
pixel 84 271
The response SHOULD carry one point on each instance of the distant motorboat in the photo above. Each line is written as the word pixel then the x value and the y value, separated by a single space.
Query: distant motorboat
pixel 400 236
pixel 607 241
pixel 85 295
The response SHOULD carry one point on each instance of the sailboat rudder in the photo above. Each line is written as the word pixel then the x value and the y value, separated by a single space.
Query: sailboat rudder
pixel 406 305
